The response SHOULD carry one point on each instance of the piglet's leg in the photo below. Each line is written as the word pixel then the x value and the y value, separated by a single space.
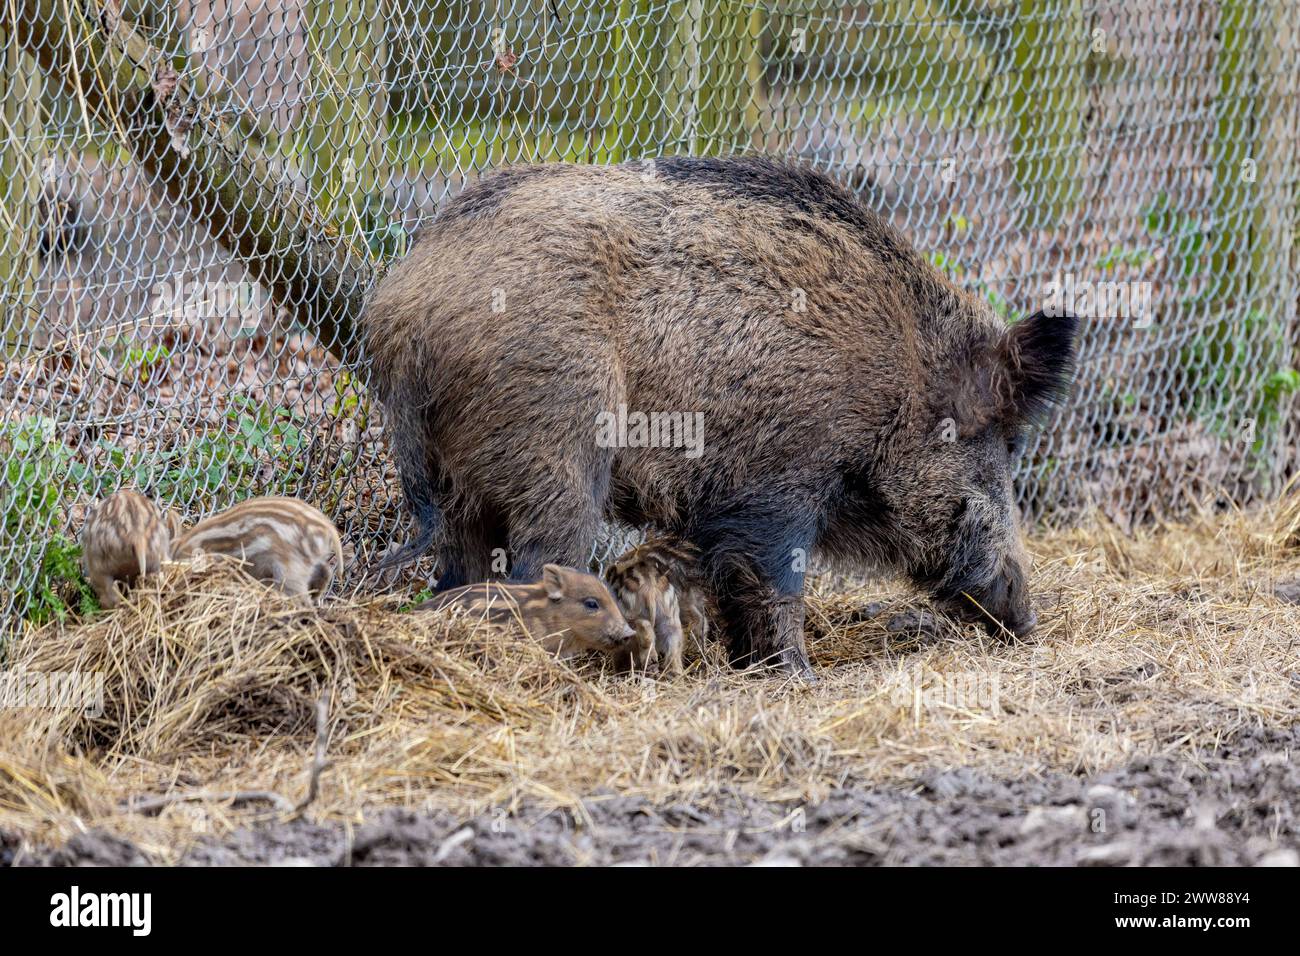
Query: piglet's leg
pixel 645 656
pixel 297 583
pixel 106 590
pixel 668 641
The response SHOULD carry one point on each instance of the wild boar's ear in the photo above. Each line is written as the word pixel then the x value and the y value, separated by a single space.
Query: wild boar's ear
pixel 1035 364
pixel 553 581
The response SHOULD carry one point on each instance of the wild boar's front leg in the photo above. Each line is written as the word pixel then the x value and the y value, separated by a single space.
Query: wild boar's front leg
pixel 762 612
pixel 766 630
pixel 557 526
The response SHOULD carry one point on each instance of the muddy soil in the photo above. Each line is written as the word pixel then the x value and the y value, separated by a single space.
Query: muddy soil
pixel 1238 806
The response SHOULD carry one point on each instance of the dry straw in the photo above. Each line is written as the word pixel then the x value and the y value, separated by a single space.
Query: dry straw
pixel 226 703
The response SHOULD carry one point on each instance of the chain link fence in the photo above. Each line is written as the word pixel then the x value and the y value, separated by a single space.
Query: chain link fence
pixel 196 196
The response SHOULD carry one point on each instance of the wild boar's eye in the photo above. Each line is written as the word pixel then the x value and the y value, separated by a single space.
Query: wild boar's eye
pixel 591 604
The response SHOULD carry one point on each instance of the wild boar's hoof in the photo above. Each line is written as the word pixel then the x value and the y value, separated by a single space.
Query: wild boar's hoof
pixel 791 663
pixel 804 674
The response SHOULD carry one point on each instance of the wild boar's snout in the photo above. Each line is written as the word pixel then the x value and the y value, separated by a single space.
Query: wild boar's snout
pixel 1002 605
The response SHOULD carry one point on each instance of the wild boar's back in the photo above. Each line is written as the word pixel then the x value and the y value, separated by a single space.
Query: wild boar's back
pixel 762 295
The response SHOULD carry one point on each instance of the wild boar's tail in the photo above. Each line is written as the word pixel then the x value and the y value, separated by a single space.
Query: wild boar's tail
pixel 417 485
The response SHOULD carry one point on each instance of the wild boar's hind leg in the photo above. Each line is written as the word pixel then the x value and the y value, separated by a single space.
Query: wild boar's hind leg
pixel 471 536
pixel 421 479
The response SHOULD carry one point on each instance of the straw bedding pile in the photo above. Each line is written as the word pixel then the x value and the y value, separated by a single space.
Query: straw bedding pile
pixel 225 703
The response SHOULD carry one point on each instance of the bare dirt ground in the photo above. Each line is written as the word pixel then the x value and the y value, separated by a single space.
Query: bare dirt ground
pixel 1238 807
pixel 1153 720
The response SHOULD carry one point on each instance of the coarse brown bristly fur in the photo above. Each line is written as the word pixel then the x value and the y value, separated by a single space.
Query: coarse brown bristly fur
pixel 285 541
pixel 855 401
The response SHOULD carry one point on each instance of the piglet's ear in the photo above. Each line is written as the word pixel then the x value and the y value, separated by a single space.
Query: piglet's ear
pixel 1034 366
pixel 553 581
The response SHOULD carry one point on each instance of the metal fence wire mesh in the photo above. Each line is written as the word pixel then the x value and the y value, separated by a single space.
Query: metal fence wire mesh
pixel 196 197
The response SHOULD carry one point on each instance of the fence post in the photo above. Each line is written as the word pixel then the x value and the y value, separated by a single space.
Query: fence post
pixel 20 186
pixel 1230 229
pixel 1285 53
pixel 632 82
pixel 1273 252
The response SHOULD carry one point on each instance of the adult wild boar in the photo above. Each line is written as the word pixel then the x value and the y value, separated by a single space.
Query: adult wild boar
pixel 854 400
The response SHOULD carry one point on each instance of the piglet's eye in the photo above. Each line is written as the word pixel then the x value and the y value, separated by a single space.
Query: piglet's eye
pixel 591 604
